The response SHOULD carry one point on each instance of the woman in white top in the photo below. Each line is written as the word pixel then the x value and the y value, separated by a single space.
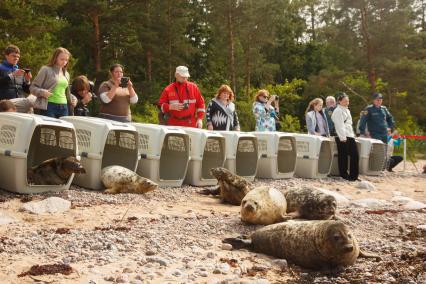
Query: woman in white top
pixel 316 120
pixel 345 139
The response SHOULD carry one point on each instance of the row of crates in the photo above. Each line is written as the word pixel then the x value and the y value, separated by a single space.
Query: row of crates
pixel 167 155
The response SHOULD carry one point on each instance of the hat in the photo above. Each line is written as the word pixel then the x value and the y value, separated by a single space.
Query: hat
pixel 377 96
pixel 182 71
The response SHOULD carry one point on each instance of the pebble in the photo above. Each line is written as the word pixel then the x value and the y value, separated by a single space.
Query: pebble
pixel 366 185
pixel 414 205
pixel 157 259
pixel 48 205
pixel 211 254
pixel 109 278
pixel 203 274
pixel 281 263
pixel 421 227
pixel 369 202
pixel 150 252
pixel 226 246
pixel 5 219
pixel 401 199
pixel 177 273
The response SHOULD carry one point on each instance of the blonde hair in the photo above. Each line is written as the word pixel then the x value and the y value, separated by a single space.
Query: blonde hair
pixel 261 92
pixel 225 89
pixel 313 103
pixel 55 55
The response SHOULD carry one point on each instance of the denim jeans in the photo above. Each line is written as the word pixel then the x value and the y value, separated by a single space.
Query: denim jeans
pixel 55 110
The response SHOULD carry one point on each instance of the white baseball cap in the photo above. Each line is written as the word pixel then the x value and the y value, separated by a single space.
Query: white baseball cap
pixel 183 71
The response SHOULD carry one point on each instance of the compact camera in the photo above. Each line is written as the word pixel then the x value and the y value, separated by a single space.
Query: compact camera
pixel 124 81
pixel 185 105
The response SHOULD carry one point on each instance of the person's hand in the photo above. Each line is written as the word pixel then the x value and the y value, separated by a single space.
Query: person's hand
pixel 209 126
pixel 317 134
pixel 86 99
pixel 129 85
pixel 237 129
pixel 28 76
pixel 271 99
pixel 46 94
pixel 199 123
pixel 73 101
pixel 177 107
pixel 18 72
pixel 343 141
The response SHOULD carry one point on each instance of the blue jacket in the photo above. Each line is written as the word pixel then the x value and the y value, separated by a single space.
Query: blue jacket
pixel 328 112
pixel 377 120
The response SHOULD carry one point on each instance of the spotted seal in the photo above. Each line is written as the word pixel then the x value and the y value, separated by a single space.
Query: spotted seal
pixel 311 204
pixel 55 171
pixel 318 244
pixel 117 179
pixel 232 188
pixel 263 206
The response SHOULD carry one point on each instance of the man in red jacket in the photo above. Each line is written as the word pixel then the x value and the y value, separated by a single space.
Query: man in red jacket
pixel 181 102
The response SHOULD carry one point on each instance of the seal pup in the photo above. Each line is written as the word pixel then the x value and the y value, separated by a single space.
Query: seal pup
pixel 263 206
pixel 232 188
pixel 54 171
pixel 311 204
pixel 321 244
pixel 117 179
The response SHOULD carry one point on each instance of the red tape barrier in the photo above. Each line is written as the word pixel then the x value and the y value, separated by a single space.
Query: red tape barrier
pixel 417 137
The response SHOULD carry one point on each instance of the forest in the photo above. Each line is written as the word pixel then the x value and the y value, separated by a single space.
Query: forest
pixel 297 49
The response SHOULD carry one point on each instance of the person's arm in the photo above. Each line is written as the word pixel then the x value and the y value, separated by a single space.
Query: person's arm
pixel 133 96
pixel 37 87
pixel 236 122
pixel 363 121
pixel 310 123
pixel 5 78
pixel 339 124
pixel 390 120
pixel 108 95
pixel 208 116
pixel 259 110
pixel 200 108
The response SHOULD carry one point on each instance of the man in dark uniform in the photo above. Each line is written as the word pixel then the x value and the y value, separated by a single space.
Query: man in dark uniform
pixel 377 119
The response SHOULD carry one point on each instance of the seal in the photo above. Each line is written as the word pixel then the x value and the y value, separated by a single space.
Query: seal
pixel 319 244
pixel 263 206
pixel 117 179
pixel 311 204
pixel 232 188
pixel 55 171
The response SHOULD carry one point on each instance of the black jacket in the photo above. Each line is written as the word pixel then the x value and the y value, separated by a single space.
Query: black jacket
pixel 11 87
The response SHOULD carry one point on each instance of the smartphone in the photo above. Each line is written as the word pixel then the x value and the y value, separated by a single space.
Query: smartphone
pixel 124 81
pixel 27 70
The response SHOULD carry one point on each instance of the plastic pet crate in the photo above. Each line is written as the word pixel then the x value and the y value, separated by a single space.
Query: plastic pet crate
pixel 164 152
pixel 314 156
pixel 207 150
pixel 241 153
pixel 28 140
pixel 372 156
pixel 103 143
pixel 278 155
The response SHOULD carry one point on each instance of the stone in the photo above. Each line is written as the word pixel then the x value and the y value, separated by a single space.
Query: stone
pixel 177 273
pixel 421 227
pixel 5 219
pixel 48 205
pixel 366 185
pixel 369 202
pixel 414 205
pixel 122 279
pixel 281 263
pixel 340 198
pixel 226 246
pixel 157 259
pixel 401 199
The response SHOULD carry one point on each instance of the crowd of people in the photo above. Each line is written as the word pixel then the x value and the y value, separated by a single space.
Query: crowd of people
pixel 52 93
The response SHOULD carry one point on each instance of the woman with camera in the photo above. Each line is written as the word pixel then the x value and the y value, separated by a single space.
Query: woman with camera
pixel 50 86
pixel 116 95
pixel 221 114
pixel 316 120
pixel 264 112
pixel 83 90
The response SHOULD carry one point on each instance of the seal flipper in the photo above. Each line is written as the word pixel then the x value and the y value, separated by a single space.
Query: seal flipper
pixel 112 190
pixel 365 254
pixel 210 191
pixel 238 243
pixel 291 216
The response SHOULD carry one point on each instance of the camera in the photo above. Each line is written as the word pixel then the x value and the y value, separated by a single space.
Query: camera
pixel 185 105
pixel 27 70
pixel 277 98
pixel 124 81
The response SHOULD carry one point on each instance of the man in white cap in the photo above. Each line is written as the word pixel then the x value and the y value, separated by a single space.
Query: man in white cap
pixel 181 102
